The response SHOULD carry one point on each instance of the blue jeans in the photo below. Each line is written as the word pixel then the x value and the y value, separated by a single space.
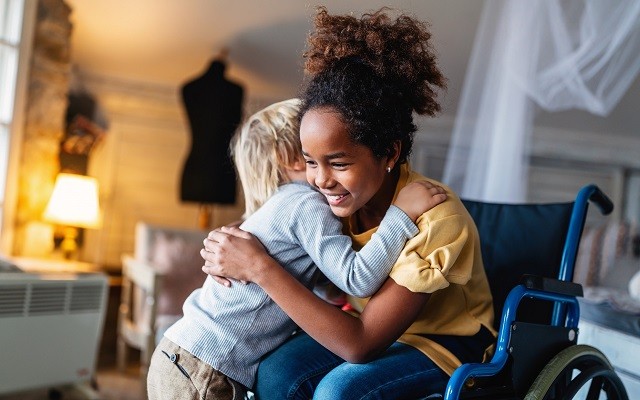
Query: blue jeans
pixel 303 369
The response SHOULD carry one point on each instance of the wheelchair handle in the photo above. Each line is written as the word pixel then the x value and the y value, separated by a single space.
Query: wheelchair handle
pixel 578 215
pixel 600 199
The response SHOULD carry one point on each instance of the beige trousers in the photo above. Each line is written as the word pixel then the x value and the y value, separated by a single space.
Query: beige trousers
pixel 174 373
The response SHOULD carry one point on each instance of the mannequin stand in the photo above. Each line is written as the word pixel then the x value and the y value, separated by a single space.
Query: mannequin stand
pixel 205 216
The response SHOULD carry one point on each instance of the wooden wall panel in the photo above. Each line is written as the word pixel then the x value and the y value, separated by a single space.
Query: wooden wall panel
pixel 139 166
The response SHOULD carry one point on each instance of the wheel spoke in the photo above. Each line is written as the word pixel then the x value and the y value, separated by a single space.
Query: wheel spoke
pixel 590 375
pixel 595 388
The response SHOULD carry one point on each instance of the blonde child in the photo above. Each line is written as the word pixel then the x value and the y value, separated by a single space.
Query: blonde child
pixel 214 350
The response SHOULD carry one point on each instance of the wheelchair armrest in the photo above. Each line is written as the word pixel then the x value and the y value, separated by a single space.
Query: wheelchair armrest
pixel 552 285
pixel 499 359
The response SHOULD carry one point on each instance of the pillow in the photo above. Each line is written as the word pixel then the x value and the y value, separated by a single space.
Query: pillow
pixel 599 250
pixel 180 261
pixel 620 273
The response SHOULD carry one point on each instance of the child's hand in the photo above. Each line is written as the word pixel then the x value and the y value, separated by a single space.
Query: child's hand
pixel 231 253
pixel 418 197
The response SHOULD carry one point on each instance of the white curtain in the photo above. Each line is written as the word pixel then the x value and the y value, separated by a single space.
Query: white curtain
pixel 555 54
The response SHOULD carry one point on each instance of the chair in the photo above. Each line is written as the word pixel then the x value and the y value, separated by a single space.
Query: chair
pixel 529 252
pixel 140 287
pixel 156 280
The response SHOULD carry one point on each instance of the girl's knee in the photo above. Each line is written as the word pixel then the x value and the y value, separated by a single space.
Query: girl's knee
pixel 286 381
pixel 337 384
pixel 326 391
pixel 273 381
pixel 280 378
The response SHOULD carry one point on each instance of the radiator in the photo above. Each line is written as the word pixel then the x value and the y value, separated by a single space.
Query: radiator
pixel 50 328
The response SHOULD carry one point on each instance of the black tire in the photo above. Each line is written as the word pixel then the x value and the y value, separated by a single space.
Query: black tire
pixel 572 369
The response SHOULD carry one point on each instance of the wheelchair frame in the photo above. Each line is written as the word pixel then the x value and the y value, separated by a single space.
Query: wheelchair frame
pixel 557 376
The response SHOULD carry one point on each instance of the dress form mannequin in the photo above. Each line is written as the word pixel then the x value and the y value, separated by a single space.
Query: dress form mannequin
pixel 214 109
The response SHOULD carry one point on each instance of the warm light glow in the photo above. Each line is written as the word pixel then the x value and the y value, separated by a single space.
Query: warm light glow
pixel 74 202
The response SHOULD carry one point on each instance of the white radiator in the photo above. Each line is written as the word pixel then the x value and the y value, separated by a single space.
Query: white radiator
pixel 50 328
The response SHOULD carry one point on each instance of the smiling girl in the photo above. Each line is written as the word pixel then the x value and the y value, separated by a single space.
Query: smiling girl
pixel 434 312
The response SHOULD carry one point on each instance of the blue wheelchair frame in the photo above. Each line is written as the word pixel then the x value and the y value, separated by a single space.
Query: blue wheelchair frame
pixel 566 311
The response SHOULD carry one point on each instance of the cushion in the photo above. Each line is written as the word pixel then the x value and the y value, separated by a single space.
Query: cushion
pixel 621 272
pixel 634 286
pixel 600 248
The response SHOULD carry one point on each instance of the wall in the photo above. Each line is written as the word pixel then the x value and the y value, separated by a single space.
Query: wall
pixel 139 164
pixel 44 115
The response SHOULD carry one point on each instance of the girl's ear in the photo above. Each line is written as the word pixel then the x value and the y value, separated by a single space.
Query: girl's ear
pixel 395 154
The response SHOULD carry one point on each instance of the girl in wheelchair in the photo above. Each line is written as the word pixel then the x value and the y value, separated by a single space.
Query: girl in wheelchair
pixel 367 77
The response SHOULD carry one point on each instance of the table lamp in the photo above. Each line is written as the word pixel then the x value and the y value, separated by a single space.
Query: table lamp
pixel 73 204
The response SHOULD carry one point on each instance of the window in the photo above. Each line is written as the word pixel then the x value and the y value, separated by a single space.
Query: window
pixel 11 13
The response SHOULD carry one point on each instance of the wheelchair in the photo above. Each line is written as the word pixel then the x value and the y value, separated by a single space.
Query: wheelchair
pixel 529 252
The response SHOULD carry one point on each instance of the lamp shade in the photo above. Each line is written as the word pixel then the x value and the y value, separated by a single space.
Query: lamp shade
pixel 74 202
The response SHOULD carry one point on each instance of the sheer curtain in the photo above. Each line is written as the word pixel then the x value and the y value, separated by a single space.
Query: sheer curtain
pixel 554 54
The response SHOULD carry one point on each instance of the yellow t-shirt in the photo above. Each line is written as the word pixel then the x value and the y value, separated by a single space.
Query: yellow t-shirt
pixel 443 259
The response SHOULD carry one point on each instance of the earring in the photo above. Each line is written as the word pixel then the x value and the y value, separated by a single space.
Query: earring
pixel 388 169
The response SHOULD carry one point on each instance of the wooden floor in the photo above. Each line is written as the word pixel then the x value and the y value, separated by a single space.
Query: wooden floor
pixel 111 385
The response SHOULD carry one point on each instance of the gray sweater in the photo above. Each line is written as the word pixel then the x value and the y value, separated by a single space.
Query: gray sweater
pixel 232 328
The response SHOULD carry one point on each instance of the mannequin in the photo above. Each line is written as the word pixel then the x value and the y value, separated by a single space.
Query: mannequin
pixel 214 109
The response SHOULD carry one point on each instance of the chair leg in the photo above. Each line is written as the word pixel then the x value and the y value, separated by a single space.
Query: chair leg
pixel 121 354
pixel 146 352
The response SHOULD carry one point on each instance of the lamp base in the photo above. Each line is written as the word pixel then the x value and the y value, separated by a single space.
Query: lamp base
pixel 69 245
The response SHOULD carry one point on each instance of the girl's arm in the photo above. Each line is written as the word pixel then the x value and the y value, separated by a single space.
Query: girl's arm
pixel 387 315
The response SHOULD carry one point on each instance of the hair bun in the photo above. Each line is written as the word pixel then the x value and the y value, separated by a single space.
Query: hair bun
pixel 397 49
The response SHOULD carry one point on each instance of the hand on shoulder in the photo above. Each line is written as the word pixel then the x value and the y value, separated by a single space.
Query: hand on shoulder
pixel 419 197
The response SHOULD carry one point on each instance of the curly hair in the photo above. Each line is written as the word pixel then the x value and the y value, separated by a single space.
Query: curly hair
pixel 375 72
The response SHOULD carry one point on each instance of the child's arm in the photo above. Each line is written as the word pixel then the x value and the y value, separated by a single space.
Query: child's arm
pixel 411 199
pixel 362 273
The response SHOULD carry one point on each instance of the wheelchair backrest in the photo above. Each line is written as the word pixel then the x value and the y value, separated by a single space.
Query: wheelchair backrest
pixel 518 239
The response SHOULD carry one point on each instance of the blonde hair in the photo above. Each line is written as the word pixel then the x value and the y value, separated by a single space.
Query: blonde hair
pixel 267 143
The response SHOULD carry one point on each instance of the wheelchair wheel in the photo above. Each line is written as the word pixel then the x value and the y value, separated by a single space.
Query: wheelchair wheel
pixel 571 370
